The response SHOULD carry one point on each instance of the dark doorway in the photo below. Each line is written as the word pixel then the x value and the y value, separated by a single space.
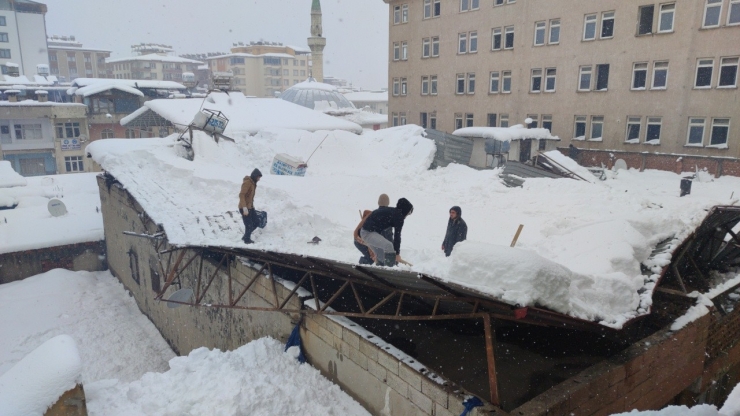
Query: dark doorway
pixel 525 150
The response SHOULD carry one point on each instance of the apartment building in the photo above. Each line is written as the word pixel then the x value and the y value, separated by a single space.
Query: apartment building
pixel 152 66
pixel 69 60
pixel 22 36
pixel 263 69
pixel 624 75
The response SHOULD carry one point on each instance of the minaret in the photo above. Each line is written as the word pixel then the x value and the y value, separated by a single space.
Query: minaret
pixel 317 42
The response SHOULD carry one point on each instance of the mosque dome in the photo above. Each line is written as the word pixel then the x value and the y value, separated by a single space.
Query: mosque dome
pixel 316 96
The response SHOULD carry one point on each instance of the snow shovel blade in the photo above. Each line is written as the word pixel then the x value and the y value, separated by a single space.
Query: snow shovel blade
pixel 182 295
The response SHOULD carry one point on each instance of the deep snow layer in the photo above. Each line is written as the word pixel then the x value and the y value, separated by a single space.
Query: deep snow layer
pixel 30 225
pixel 579 253
pixel 730 408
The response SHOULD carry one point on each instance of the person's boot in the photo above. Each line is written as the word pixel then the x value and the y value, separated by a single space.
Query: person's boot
pixel 247 239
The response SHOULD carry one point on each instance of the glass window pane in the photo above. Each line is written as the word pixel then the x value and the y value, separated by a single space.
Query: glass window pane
pixel 653 132
pixel 719 135
pixel 704 76
pixel 728 76
pixel 696 134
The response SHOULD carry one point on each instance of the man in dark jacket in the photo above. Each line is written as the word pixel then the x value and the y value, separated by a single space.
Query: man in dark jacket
pixel 387 253
pixel 246 204
pixel 457 230
pixel 368 256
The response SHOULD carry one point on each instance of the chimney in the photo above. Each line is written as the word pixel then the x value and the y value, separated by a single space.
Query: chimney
pixel 42 96
pixel 12 95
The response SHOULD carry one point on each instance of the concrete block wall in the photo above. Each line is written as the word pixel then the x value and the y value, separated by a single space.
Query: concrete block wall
pixel 21 264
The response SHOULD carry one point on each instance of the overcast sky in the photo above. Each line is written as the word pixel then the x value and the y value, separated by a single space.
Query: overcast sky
pixel 356 31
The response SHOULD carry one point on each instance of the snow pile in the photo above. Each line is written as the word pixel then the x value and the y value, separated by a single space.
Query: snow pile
pixel 9 177
pixel 581 248
pixel 30 225
pixel 40 378
pixel 730 408
pixel 506 134
pixel 571 165
pixel 255 379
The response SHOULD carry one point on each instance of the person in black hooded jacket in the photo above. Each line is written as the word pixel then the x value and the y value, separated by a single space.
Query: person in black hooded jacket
pixel 387 253
pixel 457 230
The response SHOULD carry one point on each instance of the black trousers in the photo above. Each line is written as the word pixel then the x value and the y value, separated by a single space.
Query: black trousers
pixel 250 224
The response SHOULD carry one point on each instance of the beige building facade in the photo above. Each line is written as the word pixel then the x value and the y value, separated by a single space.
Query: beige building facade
pixel 263 69
pixel 153 66
pixel 69 60
pixel 621 75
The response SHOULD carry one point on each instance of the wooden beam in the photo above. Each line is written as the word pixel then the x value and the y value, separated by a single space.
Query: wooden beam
pixel 492 380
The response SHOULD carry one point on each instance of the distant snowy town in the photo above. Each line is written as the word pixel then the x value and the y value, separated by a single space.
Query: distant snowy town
pixel 232 233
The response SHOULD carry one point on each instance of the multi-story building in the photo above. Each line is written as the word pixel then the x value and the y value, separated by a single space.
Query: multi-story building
pixel 43 137
pixel 153 66
pixel 22 36
pixel 263 69
pixel 69 60
pixel 377 101
pixel 623 75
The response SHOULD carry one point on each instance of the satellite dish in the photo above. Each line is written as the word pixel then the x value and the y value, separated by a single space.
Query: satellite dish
pixel 620 164
pixel 56 208
pixel 182 295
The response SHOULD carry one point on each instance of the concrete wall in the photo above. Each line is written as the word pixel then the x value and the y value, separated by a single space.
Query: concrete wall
pixel 22 264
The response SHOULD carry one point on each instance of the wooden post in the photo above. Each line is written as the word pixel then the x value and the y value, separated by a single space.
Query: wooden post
pixel 516 236
pixel 492 381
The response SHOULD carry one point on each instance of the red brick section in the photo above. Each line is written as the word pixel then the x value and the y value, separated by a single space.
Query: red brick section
pixel 647 375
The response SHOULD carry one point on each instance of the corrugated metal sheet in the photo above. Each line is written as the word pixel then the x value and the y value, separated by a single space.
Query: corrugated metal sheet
pixel 450 148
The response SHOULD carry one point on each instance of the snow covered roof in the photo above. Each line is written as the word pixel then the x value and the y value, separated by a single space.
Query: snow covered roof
pixel 248 115
pixel 316 96
pixel 155 58
pixel 580 254
pixel 367 96
pixel 34 103
pixel 249 55
pixel 364 118
pixel 38 80
pixel 29 226
pixel 135 83
pixel 506 134
pixel 105 86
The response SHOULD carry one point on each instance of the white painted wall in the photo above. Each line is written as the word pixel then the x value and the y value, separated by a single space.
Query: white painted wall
pixel 27 40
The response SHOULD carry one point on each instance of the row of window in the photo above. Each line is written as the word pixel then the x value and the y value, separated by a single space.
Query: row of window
pixel 590 78
pixel 646 15
pixel 702 131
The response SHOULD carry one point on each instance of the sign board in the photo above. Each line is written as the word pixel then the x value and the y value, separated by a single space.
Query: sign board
pixel 71 144
pixel 56 208
pixel 284 164
pixel 210 121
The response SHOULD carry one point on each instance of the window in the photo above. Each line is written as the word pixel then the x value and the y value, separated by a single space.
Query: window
pixel 462 43
pixel 645 23
pixel 433 85
pixel 397 15
pixel 236 60
pixel 495 78
pixel 67 130
pixel 5 53
pixel 424 85
pixel 491 120
pixel 468 120
pixel 460 89
pixel 3 37
pixel 467 5
pixel 550 74
pixel 539 33
pixel 286 72
pixel 28 132
pixel 2 21
pixel 435 46
pixel 597 128
pixel 107 134
pixel 579 131
pixel 602 77
pixel 696 132
pixel 506 82
pixel 432 8
pixel 396 86
pixel 458 121
pixel 728 73
pixel 405 13
pixel 73 164
pixel 156 281
pixel 425 48
pixel 423 119
pixel 554 31
pixel 720 130
pixel 404 51
pixel 295 72
pixel 402 118
pixel 607 25
pixel 660 75
pixel 733 16
pixel 653 130
pixel 639 75
pixel 433 120
pixel 667 14
pixel 589 27
pixel 133 264
pixel 509 37
pixel 503 120
pixel 131 134
pixel 535 120
pixel 53 57
pixel 633 129
pixel 547 122
pixel 704 70
pixel 471 83
pixel 712 11
pixel 404 86
pixel 473 42
pixel 395 119
pixel 496 39
pixel 396 51
pixel 584 79
pixel 536 85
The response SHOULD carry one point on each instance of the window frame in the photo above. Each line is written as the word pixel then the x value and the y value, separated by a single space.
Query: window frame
pixel 503 120
pixel 426 48
pixel 547 120
pixel 694 123
pixel 672 12
pixel 491 79
pixel 435 44
pixel 459 121
pixel 596 121
pixel 634 73
pixel 650 121
pixel 458 79
pixel 540 26
pixel 500 35
pixel 507 75
pixel 640 19
pixel 733 6
pixel 535 76
pixel 588 19
pixel 473 5
pixel 633 121
pixel 404 86
pixel 469 120
pixel 696 73
pixel 716 5
pixel 396 87
pixel 470 83
pixel 508 30
pixel 404 13
pixel 433 87
pixel 396 51
pixel 600 68
pixel 404 51
pixel 722 66
pixel 473 39
pixel 462 43
pixel 489 117
pixel 603 19
pixel 655 72
pixel 549 77
pixel 576 120
pixel 397 15
pixel 715 121
pixel 585 70
pixel 555 23
pixel 425 85
pixel 74 164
